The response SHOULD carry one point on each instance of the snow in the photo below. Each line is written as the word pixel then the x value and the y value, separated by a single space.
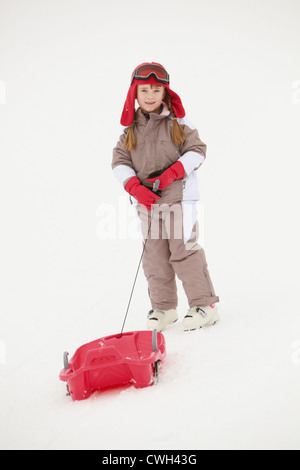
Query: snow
pixel 69 248
pixel 230 386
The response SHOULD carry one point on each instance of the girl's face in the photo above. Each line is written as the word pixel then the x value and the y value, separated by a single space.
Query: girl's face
pixel 150 97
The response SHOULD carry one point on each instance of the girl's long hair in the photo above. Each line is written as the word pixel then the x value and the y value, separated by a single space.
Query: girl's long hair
pixel 178 134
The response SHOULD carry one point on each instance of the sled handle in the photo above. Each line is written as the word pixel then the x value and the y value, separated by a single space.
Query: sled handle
pixel 66 361
pixel 156 185
pixel 154 341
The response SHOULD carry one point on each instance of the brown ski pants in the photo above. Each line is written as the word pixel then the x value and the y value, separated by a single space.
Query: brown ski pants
pixel 169 252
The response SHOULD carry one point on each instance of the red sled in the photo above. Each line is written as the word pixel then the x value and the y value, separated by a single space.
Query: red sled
pixel 130 358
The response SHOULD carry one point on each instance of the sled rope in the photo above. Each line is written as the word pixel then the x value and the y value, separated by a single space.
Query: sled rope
pixel 155 188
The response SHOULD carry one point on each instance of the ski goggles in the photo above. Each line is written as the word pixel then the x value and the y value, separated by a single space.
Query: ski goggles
pixel 145 71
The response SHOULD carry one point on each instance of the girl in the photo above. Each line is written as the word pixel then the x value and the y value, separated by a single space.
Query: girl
pixel 159 143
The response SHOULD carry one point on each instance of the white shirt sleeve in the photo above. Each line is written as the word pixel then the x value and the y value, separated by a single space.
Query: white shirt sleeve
pixel 123 173
pixel 191 161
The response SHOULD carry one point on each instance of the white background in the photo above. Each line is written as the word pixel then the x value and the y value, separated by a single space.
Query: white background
pixel 65 68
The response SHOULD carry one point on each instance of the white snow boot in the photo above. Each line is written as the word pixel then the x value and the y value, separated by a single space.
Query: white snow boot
pixel 160 319
pixel 198 317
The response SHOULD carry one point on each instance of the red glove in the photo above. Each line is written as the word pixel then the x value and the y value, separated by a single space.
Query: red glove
pixel 175 172
pixel 145 196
